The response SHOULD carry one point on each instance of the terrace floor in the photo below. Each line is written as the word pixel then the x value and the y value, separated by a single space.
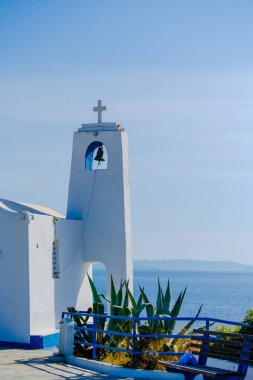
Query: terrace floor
pixel 18 364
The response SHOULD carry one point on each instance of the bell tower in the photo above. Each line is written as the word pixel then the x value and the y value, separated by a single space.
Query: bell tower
pixel 99 195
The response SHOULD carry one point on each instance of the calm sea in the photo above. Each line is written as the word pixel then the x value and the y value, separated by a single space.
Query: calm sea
pixel 223 295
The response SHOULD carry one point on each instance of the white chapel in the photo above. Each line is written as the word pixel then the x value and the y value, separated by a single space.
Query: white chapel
pixel 45 256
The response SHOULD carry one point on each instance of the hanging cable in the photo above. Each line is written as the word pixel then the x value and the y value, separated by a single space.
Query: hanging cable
pixel 84 223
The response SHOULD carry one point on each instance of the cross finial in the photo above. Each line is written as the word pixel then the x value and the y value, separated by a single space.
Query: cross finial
pixel 99 109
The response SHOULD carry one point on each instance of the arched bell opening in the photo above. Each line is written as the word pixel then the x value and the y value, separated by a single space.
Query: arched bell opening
pixel 96 156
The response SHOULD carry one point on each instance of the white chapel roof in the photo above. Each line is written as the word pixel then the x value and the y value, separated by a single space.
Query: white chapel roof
pixel 13 206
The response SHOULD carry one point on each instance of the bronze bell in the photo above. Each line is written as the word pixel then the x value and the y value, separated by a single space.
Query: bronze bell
pixel 100 154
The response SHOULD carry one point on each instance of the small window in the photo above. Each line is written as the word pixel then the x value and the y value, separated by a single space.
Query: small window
pixel 96 156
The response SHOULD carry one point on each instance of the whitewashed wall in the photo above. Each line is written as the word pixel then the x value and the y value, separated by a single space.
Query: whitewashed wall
pixel 42 311
pixel 50 296
pixel 14 278
pixel 72 289
pixel 31 300
pixel 107 236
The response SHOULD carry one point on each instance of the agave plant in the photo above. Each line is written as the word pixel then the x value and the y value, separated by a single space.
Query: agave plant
pixel 137 307
pixel 119 306
pixel 123 303
pixel 162 308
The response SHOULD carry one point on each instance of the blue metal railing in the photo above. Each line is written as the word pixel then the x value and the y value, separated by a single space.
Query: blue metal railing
pixel 134 335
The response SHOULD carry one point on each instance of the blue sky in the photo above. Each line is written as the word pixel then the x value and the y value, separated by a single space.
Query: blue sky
pixel 178 75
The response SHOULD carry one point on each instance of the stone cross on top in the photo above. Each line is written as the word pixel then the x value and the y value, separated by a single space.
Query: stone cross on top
pixel 99 109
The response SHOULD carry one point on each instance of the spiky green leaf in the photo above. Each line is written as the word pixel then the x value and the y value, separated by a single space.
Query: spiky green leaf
pixel 159 300
pixel 96 297
pixel 189 325
pixel 126 299
pixel 113 293
pixel 105 298
pixel 169 327
pixel 131 297
pixel 120 293
pixel 139 302
pixel 144 296
pixel 167 299
pixel 149 310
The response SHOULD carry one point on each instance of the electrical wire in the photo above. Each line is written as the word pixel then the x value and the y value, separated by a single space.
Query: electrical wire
pixel 84 224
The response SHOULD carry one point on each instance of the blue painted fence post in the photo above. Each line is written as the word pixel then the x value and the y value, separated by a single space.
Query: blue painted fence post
pixel 94 340
pixel 203 359
pixel 133 343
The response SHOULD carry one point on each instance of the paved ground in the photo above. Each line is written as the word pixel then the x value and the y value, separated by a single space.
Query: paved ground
pixel 18 364
pixel 34 364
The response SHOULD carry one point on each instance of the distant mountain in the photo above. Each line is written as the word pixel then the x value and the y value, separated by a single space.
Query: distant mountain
pixel 193 265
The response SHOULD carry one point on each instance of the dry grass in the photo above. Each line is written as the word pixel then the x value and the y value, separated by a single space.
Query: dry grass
pixel 116 358
pixel 144 361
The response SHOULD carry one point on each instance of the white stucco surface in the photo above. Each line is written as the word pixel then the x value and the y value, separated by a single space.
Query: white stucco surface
pixel 31 299
pixel 14 278
pixel 101 198
pixel 97 229
pixel 50 296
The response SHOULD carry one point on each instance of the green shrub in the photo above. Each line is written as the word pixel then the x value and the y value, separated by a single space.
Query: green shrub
pixel 238 329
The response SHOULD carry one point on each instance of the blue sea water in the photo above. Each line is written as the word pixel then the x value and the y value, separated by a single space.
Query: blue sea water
pixel 224 295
